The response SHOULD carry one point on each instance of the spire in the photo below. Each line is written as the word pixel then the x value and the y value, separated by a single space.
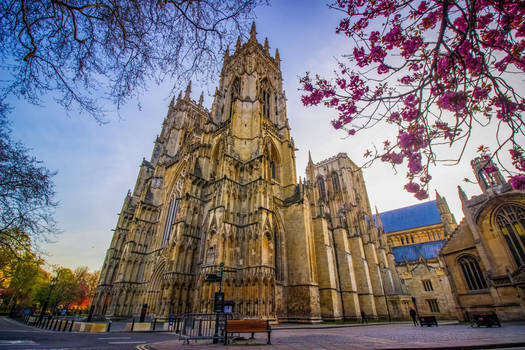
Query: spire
pixel 201 99
pixel 462 195
pixel 238 44
pixel 172 103
pixel 188 91
pixel 310 169
pixel 227 52
pixel 266 46
pixel 438 197
pixel 180 96
pixel 277 57
pixel 378 220
pixel 253 33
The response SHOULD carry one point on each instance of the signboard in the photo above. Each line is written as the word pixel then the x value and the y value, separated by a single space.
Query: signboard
pixel 218 304
pixel 228 306
pixel 211 277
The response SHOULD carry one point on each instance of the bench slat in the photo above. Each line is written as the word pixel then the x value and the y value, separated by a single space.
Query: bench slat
pixel 240 326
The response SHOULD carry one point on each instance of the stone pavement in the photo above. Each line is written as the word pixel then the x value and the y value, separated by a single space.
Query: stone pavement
pixel 384 336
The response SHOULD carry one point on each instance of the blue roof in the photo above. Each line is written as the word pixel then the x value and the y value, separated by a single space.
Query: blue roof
pixel 418 215
pixel 413 251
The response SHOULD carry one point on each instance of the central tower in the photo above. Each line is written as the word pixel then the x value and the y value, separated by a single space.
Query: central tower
pixel 252 188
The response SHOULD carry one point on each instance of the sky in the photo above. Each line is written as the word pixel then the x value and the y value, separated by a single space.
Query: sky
pixel 97 164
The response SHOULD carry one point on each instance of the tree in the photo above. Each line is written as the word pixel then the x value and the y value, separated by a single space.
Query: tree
pixel 26 196
pixel 62 290
pixel 432 68
pixel 20 271
pixel 87 50
pixel 87 283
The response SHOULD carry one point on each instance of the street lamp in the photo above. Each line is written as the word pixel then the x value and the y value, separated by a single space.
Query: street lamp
pixel 52 285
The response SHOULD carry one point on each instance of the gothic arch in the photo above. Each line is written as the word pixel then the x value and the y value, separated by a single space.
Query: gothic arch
pixel 155 287
pixel 509 219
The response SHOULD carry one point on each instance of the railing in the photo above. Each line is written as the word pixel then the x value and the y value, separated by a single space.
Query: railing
pixel 201 326
pixel 53 323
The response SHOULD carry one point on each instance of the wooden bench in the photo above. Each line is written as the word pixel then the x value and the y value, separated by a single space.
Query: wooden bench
pixel 486 320
pixel 428 321
pixel 247 326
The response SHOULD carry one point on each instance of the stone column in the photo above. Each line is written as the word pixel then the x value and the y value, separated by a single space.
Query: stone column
pixel 329 296
pixel 362 277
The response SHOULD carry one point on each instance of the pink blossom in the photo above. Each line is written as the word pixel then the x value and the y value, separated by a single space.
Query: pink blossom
pixel 351 132
pixel 518 182
pixel 443 65
pixel 461 24
pixel 410 114
pixel 383 68
pixel 337 124
pixel 411 100
pixel 483 21
pixel 374 37
pixel 431 19
pixel 412 139
pixel 407 79
pixel 453 101
pixel 377 54
pixel 412 187
pixel 393 37
pixel 480 93
pixel 411 46
pixel 394 117
pixel 414 163
pixel 421 194
pixel 473 64
pixel 422 7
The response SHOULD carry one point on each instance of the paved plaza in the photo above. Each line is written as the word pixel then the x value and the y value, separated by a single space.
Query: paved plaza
pixel 14 335
pixel 383 336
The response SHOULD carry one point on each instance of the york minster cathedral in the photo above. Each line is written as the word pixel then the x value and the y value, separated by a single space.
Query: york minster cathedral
pixel 221 187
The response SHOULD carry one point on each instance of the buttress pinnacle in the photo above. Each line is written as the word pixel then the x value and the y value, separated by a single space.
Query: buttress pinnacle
pixel 253 32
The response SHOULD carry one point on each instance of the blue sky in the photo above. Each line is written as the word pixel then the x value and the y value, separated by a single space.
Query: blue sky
pixel 98 164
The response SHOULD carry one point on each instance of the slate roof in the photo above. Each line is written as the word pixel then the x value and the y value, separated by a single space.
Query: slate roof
pixel 413 251
pixel 419 215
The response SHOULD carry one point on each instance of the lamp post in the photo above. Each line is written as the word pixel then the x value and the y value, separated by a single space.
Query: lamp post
pixel 52 285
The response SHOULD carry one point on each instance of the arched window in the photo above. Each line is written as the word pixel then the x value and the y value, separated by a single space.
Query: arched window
pixel 265 94
pixel 234 93
pixel 335 182
pixel 321 188
pixel 511 222
pixel 272 169
pixel 170 220
pixel 472 273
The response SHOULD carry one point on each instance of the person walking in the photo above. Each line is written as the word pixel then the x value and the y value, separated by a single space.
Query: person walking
pixel 413 314
pixel 363 317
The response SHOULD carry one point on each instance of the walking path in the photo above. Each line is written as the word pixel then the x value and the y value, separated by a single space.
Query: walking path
pixel 375 336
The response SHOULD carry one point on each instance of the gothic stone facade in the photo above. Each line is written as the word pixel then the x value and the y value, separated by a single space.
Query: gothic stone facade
pixel 485 255
pixel 416 235
pixel 221 187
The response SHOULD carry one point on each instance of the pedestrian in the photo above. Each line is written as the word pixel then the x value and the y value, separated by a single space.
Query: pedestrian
pixel 413 314
pixel 363 317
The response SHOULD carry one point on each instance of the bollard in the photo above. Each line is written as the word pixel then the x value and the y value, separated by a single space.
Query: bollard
pixel 109 326
pixel 71 326
pixel 132 325
pixel 154 323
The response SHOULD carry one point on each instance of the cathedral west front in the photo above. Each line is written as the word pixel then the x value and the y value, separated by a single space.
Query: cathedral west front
pixel 221 187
